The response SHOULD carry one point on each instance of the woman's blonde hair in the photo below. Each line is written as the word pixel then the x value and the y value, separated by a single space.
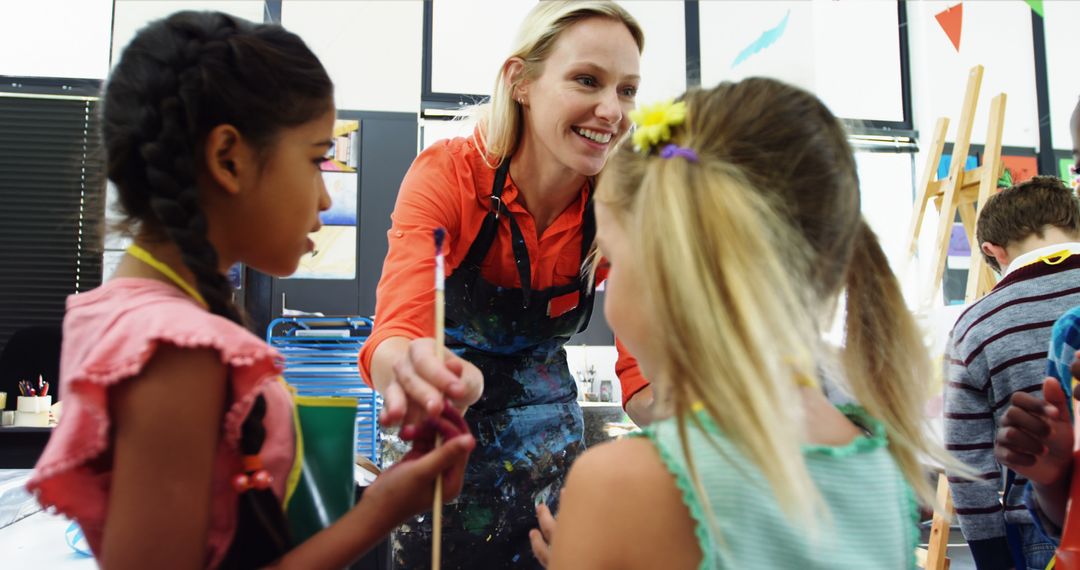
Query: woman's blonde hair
pixel 499 120
pixel 745 252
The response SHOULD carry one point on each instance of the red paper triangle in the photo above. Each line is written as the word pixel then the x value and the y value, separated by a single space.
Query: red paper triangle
pixel 950 21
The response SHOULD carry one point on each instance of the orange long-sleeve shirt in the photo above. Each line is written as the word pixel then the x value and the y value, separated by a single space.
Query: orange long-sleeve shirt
pixel 449 186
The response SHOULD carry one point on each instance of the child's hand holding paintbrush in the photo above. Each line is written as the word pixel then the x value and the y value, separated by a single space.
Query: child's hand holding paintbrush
pixel 423 463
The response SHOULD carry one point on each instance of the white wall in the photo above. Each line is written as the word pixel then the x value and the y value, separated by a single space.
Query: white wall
pixel 371 49
pixel 885 180
pixel 1062 49
pixel 133 15
pixel 468 49
pixel 435 130
pixel 130 17
pixel 996 35
pixel 465 61
pixel 55 38
pixel 663 64
pixel 844 50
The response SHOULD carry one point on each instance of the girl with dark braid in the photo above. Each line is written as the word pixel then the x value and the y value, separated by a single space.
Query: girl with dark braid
pixel 177 439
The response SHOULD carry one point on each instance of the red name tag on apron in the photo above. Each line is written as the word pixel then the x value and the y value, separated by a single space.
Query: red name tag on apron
pixel 563 304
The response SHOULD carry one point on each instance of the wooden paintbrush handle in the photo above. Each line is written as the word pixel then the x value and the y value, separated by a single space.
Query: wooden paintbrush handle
pixel 436 508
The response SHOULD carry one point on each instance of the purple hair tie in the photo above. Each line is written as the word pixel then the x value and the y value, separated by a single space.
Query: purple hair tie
pixel 673 150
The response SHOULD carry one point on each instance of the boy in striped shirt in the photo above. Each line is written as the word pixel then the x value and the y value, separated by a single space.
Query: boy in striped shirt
pixel 1029 234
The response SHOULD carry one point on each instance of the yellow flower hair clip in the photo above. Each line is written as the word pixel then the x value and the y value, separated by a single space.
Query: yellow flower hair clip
pixel 654 123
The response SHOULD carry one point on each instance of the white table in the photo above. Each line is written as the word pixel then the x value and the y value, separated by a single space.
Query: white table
pixel 37 542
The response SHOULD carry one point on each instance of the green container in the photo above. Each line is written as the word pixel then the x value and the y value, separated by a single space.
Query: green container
pixel 325 489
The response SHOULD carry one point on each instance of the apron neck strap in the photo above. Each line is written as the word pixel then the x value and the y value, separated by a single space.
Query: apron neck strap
pixel 480 246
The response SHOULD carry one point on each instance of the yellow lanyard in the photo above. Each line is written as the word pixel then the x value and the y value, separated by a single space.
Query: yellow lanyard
pixel 1052 258
pixel 1055 258
pixel 145 257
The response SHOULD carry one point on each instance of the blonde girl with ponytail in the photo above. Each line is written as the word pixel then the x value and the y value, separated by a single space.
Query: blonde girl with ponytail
pixel 732 225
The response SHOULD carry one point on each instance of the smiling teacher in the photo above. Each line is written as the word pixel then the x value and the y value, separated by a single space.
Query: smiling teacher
pixel 516 201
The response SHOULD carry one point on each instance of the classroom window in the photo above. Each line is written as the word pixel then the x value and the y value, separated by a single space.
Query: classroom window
pixel 51 188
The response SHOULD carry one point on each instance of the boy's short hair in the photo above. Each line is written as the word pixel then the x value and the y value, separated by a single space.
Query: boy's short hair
pixel 1026 209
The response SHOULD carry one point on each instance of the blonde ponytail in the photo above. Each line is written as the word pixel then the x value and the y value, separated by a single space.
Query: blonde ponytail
pixel 715 275
pixel 886 366
pixel 746 251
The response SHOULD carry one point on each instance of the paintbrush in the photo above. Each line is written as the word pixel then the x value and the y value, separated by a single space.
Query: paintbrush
pixel 440 299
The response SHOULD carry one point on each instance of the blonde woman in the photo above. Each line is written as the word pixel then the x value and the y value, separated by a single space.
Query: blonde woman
pixel 729 241
pixel 516 201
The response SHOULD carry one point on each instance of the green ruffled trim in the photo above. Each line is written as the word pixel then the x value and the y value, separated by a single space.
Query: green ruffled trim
pixel 862 443
pixel 690 499
pixel 913 528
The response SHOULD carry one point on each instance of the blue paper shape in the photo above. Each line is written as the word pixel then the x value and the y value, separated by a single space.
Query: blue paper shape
pixel 946 161
pixel 766 39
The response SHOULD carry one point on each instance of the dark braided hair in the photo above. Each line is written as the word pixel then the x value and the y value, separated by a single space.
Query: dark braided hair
pixel 262 533
pixel 178 79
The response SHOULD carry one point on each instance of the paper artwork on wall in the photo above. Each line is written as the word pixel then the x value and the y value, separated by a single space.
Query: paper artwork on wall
pixel 1065 171
pixel 951 21
pixel 1037 6
pixel 342 189
pixel 1020 168
pixel 959 246
pixel 766 39
pixel 334 256
pixel 345 152
pixel 946 162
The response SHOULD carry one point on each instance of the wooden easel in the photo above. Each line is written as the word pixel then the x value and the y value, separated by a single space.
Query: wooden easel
pixel 965 191
pixel 933 558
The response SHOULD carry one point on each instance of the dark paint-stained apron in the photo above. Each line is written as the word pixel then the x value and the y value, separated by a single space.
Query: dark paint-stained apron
pixel 528 424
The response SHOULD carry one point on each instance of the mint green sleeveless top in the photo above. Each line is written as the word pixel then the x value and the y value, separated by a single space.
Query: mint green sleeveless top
pixel 874 515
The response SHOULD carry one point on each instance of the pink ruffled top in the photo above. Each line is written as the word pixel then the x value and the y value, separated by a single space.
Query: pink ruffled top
pixel 110 333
